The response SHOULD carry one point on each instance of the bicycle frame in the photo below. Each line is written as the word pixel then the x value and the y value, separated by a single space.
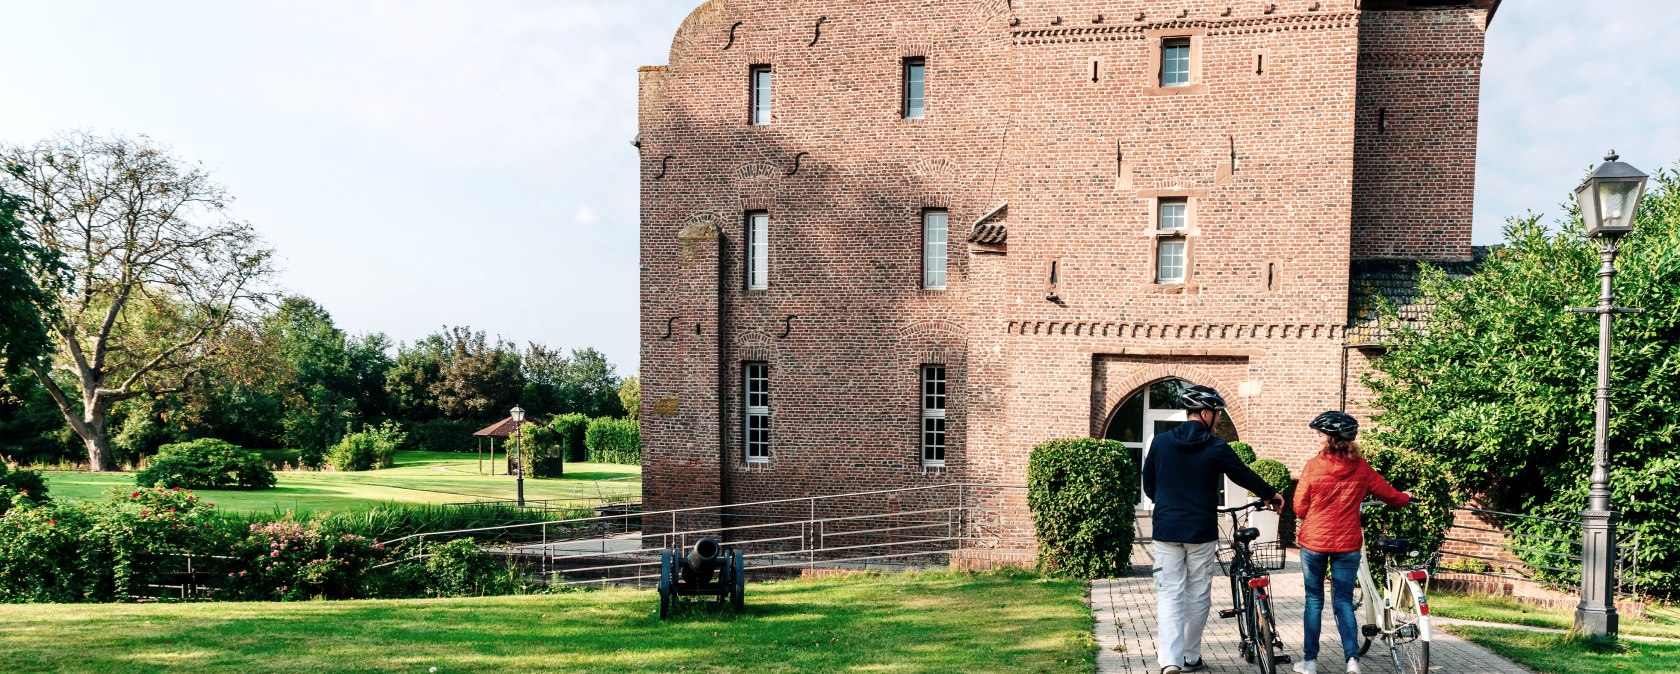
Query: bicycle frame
pixel 1251 601
pixel 1384 613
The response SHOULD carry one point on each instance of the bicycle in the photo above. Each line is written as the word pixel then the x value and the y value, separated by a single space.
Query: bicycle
pixel 1250 598
pixel 1402 619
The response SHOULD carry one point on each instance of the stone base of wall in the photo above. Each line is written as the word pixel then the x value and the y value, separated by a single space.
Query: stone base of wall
pixel 986 560
pixel 1522 591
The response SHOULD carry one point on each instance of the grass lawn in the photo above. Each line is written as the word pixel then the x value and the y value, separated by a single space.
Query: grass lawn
pixel 417 477
pixel 1660 623
pixel 1551 653
pixel 933 622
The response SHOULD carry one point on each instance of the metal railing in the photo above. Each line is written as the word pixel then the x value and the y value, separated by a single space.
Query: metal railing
pixel 1523 556
pixel 910 527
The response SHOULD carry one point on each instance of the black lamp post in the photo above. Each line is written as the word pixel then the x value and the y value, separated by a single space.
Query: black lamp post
pixel 518 414
pixel 1608 199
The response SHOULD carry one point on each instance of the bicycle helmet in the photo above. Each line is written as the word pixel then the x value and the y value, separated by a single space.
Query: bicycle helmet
pixel 1339 425
pixel 1201 398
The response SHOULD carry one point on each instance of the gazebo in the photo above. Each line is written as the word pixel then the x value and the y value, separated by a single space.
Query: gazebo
pixel 500 429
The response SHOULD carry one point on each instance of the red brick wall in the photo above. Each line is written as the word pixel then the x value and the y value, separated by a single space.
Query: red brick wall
pixel 1013 116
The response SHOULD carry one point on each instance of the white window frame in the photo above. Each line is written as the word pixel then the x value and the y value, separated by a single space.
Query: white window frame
pixel 936 248
pixel 935 398
pixel 1172 213
pixel 915 88
pixel 758 250
pixel 755 405
pixel 1162 244
pixel 759 85
pixel 1169 46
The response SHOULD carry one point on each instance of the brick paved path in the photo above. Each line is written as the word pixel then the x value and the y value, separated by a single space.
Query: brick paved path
pixel 1125 611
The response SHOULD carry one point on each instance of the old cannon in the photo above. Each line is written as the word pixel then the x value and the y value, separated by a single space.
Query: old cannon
pixel 708 570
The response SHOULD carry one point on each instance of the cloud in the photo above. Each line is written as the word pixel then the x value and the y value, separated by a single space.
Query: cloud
pixel 586 216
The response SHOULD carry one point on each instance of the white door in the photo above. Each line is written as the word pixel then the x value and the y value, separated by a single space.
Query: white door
pixel 1155 422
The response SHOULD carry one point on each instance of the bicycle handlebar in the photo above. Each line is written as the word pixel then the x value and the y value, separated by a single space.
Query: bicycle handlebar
pixel 1257 505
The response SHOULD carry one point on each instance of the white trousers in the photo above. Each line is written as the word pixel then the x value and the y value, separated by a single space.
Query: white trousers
pixel 1183 589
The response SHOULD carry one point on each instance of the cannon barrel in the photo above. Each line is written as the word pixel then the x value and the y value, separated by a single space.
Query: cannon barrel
pixel 703 560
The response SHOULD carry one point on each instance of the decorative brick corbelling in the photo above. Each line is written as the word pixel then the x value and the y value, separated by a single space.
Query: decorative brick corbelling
pixel 1111 33
pixel 756 203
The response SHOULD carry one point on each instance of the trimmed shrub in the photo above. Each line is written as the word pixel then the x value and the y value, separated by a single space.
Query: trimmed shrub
pixel 1275 473
pixel 1434 496
pixel 614 441
pixel 441 435
pixel 206 463
pixel 541 450
pixel 19 488
pixel 572 429
pixel 1245 452
pixel 370 449
pixel 460 569
pixel 1083 494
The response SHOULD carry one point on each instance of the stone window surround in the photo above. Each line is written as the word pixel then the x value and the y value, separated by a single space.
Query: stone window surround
pixel 1156 37
pixel 1190 233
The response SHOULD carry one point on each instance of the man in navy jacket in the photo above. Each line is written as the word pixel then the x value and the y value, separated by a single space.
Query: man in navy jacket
pixel 1182 476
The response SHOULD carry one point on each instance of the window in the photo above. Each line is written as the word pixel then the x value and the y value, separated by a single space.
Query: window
pixel 915 88
pixel 1172 214
pixel 1175 62
pixel 1172 219
pixel 1169 259
pixel 760 95
pixel 935 236
pixel 756 432
pixel 758 250
pixel 933 415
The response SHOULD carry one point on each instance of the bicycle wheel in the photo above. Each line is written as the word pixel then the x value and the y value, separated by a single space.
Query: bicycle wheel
pixel 1409 644
pixel 1265 634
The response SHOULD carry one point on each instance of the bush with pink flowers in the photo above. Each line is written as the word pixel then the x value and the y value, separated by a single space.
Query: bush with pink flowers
pixel 289 559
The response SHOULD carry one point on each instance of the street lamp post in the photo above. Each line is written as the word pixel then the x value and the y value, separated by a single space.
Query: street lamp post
pixel 518 414
pixel 1608 199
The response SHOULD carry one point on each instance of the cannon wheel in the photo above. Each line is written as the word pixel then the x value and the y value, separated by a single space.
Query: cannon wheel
pixel 738 591
pixel 667 583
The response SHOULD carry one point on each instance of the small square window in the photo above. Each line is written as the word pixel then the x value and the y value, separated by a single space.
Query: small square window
pixel 1175 62
pixel 1169 259
pixel 760 95
pixel 915 88
pixel 1172 214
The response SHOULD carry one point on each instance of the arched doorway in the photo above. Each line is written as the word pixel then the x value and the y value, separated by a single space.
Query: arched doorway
pixel 1151 410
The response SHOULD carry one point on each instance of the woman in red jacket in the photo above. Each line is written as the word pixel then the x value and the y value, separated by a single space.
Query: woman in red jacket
pixel 1327 500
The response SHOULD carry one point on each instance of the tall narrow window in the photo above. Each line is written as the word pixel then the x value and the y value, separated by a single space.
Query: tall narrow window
pixel 1175 62
pixel 756 395
pixel 758 250
pixel 760 95
pixel 933 415
pixel 935 236
pixel 915 88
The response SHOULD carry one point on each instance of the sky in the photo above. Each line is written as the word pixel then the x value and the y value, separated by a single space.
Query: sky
pixel 427 163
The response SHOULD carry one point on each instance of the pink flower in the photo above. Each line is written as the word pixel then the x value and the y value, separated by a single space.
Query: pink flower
pixel 275 553
pixel 134 495
pixel 52 521
pixel 230 574
pixel 175 489
pixel 144 513
pixel 241 573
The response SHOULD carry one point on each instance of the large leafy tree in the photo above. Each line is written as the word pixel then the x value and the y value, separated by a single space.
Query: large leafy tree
pixel 25 305
pixel 157 271
pixel 590 385
pixel 479 378
pixel 1498 381
pixel 318 385
pixel 411 380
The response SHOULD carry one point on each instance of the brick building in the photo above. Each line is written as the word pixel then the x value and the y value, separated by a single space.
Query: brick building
pixel 900 242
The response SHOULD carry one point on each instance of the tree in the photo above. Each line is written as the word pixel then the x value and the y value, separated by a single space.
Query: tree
pixel 590 385
pixel 477 379
pixel 24 304
pixel 412 379
pixel 157 271
pixel 630 395
pixel 544 370
pixel 1497 384
pixel 319 388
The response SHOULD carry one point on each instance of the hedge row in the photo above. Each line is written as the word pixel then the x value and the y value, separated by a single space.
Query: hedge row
pixel 614 441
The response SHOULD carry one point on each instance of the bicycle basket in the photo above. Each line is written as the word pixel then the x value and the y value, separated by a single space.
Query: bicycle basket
pixel 1269 556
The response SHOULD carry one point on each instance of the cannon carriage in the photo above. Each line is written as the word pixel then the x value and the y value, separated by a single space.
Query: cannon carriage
pixel 708 570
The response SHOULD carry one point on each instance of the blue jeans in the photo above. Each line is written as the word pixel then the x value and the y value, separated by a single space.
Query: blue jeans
pixel 1344 572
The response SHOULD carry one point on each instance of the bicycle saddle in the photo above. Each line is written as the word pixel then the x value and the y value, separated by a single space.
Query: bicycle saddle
pixel 1393 546
pixel 1247 535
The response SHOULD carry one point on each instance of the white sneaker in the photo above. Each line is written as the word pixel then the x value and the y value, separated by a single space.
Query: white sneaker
pixel 1353 665
pixel 1307 667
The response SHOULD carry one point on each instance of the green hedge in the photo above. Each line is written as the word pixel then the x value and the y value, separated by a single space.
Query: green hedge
pixel 1244 451
pixel 572 429
pixel 1083 494
pixel 206 463
pixel 441 435
pixel 614 441
pixel 369 449
pixel 1434 496
pixel 1275 473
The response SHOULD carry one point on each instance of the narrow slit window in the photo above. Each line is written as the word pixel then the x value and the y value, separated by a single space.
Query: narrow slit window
pixel 915 88
pixel 933 415
pixel 758 250
pixel 760 95
pixel 756 394
pixel 935 245
pixel 1175 62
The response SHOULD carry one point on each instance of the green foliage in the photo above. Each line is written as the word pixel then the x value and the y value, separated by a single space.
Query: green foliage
pixel 291 560
pixel 1498 383
pixel 630 394
pixel 614 441
pixel 1244 451
pixel 572 430
pixel 21 488
pixel 478 379
pixel 128 538
pixel 206 463
pixel 1434 496
pixel 369 449
pixel 441 435
pixel 43 557
pixel 25 304
pixel 1275 473
pixel 1083 493
pixel 459 568
pixel 542 451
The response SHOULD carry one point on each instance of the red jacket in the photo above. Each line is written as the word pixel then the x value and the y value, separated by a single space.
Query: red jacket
pixel 1327 500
